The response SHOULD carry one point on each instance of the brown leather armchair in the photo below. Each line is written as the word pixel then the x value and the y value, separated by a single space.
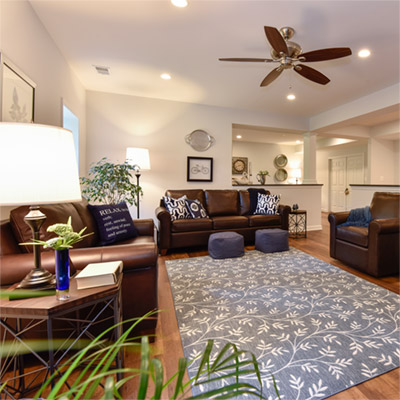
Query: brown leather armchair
pixel 373 249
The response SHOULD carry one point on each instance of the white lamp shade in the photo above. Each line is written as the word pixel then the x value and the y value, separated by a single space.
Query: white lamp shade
pixel 296 173
pixel 37 165
pixel 138 156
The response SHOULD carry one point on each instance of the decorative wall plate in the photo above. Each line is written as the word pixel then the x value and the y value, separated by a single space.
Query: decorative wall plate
pixel 200 140
pixel 280 161
pixel 281 175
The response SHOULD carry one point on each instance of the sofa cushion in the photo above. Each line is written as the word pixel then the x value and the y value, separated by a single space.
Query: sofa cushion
pixel 264 220
pixel 231 222
pixel 191 194
pixel 357 235
pixel 114 222
pixel 55 213
pixel 195 209
pixel 253 198
pixel 267 204
pixel 222 202
pixel 176 207
pixel 191 225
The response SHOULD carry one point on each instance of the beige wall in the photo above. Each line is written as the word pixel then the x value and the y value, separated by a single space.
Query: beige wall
pixel 25 42
pixel 262 155
pixel 115 122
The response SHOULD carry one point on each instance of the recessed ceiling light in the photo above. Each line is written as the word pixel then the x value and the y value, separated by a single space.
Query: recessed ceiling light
pixel 238 136
pixel 179 3
pixel 291 96
pixel 165 76
pixel 364 53
pixel 298 141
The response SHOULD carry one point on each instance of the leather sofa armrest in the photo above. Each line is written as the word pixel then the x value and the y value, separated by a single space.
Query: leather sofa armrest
pixel 145 227
pixel 284 212
pixel 383 226
pixel 335 219
pixel 164 228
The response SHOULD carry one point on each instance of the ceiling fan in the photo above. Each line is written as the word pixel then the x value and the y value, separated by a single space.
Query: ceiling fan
pixel 289 55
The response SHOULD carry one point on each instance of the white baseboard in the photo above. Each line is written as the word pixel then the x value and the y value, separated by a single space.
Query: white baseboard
pixel 314 228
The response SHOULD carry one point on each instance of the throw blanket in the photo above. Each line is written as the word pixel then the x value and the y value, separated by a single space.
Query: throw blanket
pixel 358 217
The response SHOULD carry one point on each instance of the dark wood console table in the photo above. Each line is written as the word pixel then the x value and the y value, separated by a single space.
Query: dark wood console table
pixel 95 301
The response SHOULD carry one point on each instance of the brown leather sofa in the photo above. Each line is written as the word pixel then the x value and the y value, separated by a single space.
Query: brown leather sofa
pixel 228 210
pixel 373 249
pixel 139 255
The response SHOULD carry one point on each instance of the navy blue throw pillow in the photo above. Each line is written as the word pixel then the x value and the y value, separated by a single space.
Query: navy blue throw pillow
pixel 114 223
pixel 253 194
pixel 196 209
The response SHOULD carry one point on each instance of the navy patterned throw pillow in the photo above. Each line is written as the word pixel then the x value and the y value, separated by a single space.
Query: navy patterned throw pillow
pixel 176 207
pixel 267 204
pixel 114 223
pixel 196 209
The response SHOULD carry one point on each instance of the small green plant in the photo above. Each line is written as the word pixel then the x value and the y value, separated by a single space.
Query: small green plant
pixel 65 239
pixel 110 183
pixel 265 173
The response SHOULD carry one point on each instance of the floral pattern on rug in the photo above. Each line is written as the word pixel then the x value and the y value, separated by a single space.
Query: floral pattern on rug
pixel 316 328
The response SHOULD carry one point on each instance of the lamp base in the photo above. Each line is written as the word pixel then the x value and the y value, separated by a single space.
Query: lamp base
pixel 37 278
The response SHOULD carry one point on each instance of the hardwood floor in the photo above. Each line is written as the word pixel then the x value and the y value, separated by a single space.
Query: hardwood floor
pixel 167 346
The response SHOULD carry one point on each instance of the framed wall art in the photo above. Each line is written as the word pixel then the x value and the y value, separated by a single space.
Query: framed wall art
pixel 199 169
pixel 17 93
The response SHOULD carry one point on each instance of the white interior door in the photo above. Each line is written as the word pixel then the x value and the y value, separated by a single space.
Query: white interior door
pixel 342 172
pixel 337 179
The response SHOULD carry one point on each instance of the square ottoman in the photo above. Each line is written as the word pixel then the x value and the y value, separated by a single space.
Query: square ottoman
pixel 225 245
pixel 272 240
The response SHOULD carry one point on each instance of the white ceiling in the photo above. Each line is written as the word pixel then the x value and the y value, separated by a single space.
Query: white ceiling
pixel 139 40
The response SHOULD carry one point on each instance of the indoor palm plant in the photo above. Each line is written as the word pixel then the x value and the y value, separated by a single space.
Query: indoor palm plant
pixel 110 183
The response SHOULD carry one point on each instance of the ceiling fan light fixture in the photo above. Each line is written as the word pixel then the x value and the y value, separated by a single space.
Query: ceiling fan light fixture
pixel 364 53
pixel 179 3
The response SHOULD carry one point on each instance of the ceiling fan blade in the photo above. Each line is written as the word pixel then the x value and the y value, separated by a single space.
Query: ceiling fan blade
pixel 276 40
pixel 271 76
pixel 325 54
pixel 311 74
pixel 247 59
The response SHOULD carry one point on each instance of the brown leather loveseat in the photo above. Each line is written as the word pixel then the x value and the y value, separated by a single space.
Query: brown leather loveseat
pixel 139 255
pixel 373 249
pixel 228 210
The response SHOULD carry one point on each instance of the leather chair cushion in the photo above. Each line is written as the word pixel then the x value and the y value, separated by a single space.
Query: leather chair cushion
pixel 191 225
pixel 385 205
pixel 264 220
pixel 230 222
pixel 222 202
pixel 357 235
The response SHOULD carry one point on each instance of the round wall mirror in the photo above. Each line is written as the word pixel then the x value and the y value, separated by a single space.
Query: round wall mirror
pixel 199 140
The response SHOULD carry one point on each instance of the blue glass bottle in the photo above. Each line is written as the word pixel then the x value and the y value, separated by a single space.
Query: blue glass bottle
pixel 62 274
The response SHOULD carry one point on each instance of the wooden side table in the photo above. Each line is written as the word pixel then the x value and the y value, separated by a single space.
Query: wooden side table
pixel 298 224
pixel 95 301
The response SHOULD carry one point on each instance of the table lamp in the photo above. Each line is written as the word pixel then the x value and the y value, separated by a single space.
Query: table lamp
pixel 37 166
pixel 140 159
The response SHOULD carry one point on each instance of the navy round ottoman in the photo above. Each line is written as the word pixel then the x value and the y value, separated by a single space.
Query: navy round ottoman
pixel 225 245
pixel 272 240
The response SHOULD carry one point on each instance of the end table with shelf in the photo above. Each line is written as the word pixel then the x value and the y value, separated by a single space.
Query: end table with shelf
pixel 298 224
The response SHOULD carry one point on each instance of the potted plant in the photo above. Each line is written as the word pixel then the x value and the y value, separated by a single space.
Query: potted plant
pixel 261 176
pixel 110 183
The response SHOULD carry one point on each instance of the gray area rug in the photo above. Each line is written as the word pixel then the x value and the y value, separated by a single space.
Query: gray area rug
pixel 316 328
